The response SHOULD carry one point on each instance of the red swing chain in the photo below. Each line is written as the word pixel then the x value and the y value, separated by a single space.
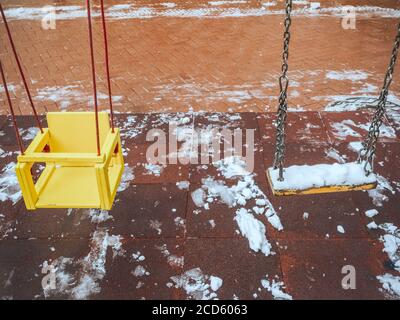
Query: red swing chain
pixel 21 147
pixel 20 69
pixel 94 76
pixel 107 64
pixel 94 70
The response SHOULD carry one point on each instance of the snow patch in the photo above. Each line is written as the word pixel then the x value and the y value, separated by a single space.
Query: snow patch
pixel 197 285
pixel 98 216
pixel 352 75
pixel 217 11
pixel 378 195
pixel 80 279
pixel 391 284
pixel 172 259
pixel 183 185
pixel 140 271
pixel 127 177
pixel 276 288
pixel 340 229
pixel 371 213
pixel 254 231
pixel 154 169
pixel 9 187
pixel 391 242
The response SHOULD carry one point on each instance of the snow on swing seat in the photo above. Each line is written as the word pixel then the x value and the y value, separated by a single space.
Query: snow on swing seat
pixel 75 176
pixel 321 178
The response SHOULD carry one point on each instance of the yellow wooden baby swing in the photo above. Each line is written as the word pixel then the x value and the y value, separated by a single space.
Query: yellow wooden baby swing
pixel 79 172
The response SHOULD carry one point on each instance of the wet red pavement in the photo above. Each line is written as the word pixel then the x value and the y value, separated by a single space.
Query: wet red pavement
pixel 162 233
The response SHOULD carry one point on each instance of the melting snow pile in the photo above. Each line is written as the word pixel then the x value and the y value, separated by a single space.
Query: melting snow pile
pixel 276 289
pixel 321 175
pixel 197 285
pixel 9 187
pixel 238 195
pixel 391 242
pixel 254 230
pixel 79 279
pixel 390 283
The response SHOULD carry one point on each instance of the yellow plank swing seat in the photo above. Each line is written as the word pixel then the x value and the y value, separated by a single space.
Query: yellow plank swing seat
pixel 81 151
pixel 320 178
pixel 325 178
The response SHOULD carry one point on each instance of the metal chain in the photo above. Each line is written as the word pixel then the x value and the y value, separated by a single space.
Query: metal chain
pixel 283 84
pixel 367 153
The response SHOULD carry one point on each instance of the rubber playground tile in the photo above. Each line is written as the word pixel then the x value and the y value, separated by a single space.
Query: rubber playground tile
pixel 387 158
pixel 144 271
pixel 384 203
pixel 145 171
pixel 320 216
pixel 45 224
pixel 21 265
pixel 301 154
pixel 301 128
pixel 253 164
pixel 159 211
pixel 142 128
pixel 133 127
pixel 233 261
pixel 218 221
pixel 316 269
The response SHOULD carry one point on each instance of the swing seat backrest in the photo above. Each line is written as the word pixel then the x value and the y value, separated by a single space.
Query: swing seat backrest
pixel 75 132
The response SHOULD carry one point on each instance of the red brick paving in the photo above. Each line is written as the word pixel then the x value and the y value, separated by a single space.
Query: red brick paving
pixel 309 253
pixel 220 64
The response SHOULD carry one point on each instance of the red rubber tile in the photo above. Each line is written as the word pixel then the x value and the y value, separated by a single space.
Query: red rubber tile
pixel 318 216
pixel 299 154
pixel 313 269
pixel 21 264
pixel 301 127
pixel 159 211
pixel 145 172
pixel 232 261
pixel 160 258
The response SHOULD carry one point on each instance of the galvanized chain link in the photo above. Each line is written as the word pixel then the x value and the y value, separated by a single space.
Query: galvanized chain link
pixel 367 153
pixel 283 84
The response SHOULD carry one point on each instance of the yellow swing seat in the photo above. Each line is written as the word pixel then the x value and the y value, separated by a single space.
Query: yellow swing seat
pixel 74 175
pixel 321 178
